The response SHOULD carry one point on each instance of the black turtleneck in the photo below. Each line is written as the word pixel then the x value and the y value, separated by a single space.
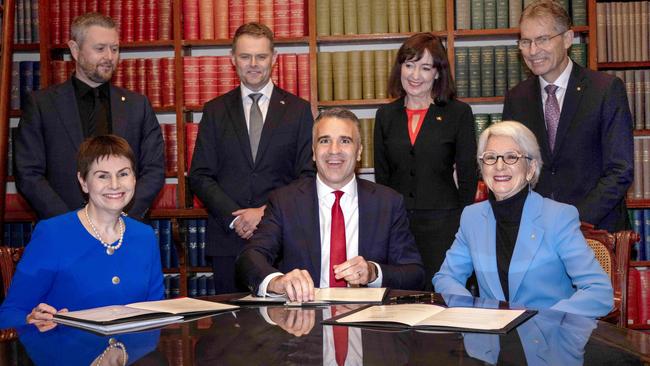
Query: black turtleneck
pixel 95 120
pixel 508 216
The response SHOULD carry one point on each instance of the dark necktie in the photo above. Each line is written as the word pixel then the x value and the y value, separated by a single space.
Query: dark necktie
pixel 340 333
pixel 337 240
pixel 256 122
pixel 98 121
pixel 551 114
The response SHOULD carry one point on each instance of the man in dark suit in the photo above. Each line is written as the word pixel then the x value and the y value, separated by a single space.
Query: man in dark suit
pixel 580 117
pixel 56 120
pixel 333 230
pixel 251 140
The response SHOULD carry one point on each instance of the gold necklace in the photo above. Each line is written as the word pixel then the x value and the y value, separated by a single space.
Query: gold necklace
pixel 110 249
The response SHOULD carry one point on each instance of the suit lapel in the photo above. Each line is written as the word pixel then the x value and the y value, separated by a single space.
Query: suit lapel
pixel 118 111
pixel 486 233
pixel 275 114
pixel 572 98
pixel 427 131
pixel 529 239
pixel 68 111
pixel 367 217
pixel 236 113
pixel 307 204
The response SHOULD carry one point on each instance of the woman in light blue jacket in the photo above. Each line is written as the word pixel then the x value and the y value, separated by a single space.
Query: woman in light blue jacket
pixel 524 248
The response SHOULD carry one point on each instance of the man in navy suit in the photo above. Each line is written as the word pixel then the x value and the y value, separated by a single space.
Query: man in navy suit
pixel 56 120
pixel 293 248
pixel 580 117
pixel 251 140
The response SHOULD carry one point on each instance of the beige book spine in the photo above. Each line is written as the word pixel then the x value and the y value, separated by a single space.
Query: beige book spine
pixel 425 15
pixel 637 183
pixel 645 162
pixel 636 30
pixel 601 32
pixel 639 108
pixel 392 8
pixel 340 75
pixel 350 17
pixel 324 76
pixel 364 16
pixel 609 24
pixel 368 71
pixel 627 32
pixel 403 16
pixel 438 15
pixel 379 15
pixel 645 30
pixel 355 77
pixel 322 17
pixel 337 27
pixel 381 74
pixel 414 15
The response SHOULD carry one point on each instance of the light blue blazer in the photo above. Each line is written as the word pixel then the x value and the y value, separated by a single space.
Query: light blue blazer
pixel 551 267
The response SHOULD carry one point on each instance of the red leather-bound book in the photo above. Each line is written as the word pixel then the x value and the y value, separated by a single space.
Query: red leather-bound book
pixel 92 6
pixel 191 80
pixel 165 20
pixel 644 296
pixel 282 18
pixel 105 7
pixel 235 16
pixel 633 297
pixel 275 73
pixel 304 76
pixel 58 71
pixel 206 19
pixel 154 86
pixel 130 78
pixel 65 20
pixel 251 11
pixel 116 12
pixel 191 132
pixel 55 22
pixel 191 19
pixel 208 78
pixel 297 18
pixel 16 203
pixel 171 148
pixel 127 30
pixel 75 9
pixel 138 23
pixel 266 13
pixel 151 20
pixel 221 19
pixel 168 81
pixel 289 71
pixel 118 75
pixel 69 69
pixel 196 202
pixel 141 76
pixel 166 198
pixel 225 75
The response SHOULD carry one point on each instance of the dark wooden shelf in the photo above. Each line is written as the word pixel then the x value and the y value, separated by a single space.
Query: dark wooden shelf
pixel 369 38
pixel 639 263
pixel 637 203
pixel 15 113
pixel 18 216
pixel 483 100
pixel 502 31
pixel 199 269
pixel 18 47
pixel 641 132
pixel 623 65
pixel 170 270
pixel 129 45
pixel 181 213
pixel 638 326
pixel 228 42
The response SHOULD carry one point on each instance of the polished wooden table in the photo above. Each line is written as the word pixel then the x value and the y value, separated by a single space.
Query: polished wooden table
pixel 281 335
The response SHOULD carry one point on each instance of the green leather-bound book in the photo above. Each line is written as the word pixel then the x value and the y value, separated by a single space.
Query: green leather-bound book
pixel 368 74
pixel 481 122
pixel 512 55
pixel 578 53
pixel 514 12
pixel 414 15
pixel 337 27
pixel 355 77
pixel 524 70
pixel 463 14
pixel 350 17
pixel 475 72
pixel 324 76
pixel 381 74
pixel 403 16
pixel 477 14
pixel 425 15
pixel 462 71
pixel 364 16
pixel 495 118
pixel 579 12
pixel 487 71
pixel 439 15
pixel 379 15
pixel 322 17
pixel 489 14
pixel 340 75
pixel 564 3
pixel 500 71
pixel 393 15
pixel 502 14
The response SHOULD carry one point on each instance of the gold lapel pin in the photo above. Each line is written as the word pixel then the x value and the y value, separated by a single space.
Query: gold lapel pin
pixel 439 118
pixel 124 99
pixel 282 102
pixel 578 88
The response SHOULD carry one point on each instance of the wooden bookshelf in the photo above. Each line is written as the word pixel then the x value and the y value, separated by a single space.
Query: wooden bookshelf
pixel 624 65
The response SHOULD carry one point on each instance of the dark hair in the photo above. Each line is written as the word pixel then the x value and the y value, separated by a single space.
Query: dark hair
pixel 413 49
pixel 81 24
pixel 253 29
pixel 95 148
pixel 551 9
pixel 340 113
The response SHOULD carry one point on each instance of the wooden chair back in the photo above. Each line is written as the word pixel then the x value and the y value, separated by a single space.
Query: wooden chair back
pixel 9 257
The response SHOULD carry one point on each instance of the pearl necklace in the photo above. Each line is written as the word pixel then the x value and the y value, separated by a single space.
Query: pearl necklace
pixel 110 249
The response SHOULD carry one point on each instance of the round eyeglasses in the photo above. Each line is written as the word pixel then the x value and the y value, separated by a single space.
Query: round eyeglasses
pixel 509 157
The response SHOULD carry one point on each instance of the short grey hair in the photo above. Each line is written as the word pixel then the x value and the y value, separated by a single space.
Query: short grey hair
pixel 80 25
pixel 340 113
pixel 548 9
pixel 521 135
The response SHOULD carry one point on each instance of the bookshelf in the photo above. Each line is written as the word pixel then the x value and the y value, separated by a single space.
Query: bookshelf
pixel 5 89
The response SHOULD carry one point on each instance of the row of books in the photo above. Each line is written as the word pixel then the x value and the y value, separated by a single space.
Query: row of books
pixel 637 86
pixel 197 285
pixel 623 31
pixel 17 234
pixel 193 232
pixel 219 19
pixel 484 120
pixel 354 74
pixel 25 78
pixel 640 188
pixel 137 20
pixel 638 296
pixel 640 220
pixel 163 231
pixel 170 137
pixel 367 140
pixel 490 71
pixel 26 24
pixel 499 14
pixel 349 17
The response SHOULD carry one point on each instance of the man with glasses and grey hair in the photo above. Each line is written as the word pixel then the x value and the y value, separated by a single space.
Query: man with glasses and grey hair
pixel 580 117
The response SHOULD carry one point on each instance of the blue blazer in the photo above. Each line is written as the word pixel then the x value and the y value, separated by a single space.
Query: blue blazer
pixel 551 266
pixel 288 236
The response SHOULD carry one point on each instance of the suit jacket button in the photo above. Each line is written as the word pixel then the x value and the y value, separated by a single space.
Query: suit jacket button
pixel 412 173
pixel 116 280
pixel 412 152
pixel 411 194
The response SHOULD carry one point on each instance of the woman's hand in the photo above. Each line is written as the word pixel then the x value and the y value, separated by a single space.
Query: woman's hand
pixel 42 317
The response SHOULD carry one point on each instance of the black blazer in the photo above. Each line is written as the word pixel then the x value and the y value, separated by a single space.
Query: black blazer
pixel 289 235
pixel 423 173
pixel 223 174
pixel 48 138
pixel 592 164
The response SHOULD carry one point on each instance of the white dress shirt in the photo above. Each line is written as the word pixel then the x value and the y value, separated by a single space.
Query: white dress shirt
pixel 350 207
pixel 562 82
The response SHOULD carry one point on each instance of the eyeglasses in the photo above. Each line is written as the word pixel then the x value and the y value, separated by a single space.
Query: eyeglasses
pixel 509 157
pixel 541 41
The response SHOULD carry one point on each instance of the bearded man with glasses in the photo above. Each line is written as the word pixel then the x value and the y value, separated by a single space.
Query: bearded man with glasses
pixel 580 117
